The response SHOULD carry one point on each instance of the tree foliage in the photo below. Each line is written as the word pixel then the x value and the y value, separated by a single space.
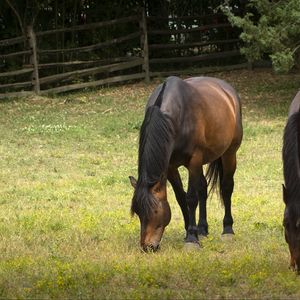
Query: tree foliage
pixel 270 27
pixel 15 15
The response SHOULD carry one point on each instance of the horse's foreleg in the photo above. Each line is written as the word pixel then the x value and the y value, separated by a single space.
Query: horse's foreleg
pixel 192 197
pixel 227 184
pixel 175 180
pixel 192 202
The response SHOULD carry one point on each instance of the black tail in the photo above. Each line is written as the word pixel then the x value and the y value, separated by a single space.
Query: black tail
pixel 214 175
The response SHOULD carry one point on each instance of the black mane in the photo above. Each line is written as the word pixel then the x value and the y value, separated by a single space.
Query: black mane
pixel 155 146
pixel 291 162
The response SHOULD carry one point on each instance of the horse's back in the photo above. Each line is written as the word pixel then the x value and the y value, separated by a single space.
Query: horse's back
pixel 290 147
pixel 219 114
pixel 295 105
pixel 217 96
pixel 196 91
pixel 175 88
pixel 208 82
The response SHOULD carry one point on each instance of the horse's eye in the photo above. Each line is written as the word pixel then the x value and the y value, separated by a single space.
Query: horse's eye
pixel 157 190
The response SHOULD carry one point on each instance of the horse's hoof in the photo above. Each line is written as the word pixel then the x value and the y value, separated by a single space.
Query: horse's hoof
pixel 191 246
pixel 227 236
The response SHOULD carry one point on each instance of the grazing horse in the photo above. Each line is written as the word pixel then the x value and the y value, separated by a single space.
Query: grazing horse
pixel 291 188
pixel 189 122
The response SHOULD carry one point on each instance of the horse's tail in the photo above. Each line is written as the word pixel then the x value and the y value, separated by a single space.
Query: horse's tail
pixel 214 175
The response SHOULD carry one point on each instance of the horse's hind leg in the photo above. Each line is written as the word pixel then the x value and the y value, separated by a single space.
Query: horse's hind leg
pixel 227 184
pixel 175 180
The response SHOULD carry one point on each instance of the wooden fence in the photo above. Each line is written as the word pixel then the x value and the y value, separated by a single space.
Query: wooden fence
pixel 192 45
pixel 146 51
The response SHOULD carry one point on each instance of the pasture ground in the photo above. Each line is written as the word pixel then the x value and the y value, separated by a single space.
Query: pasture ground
pixel 65 226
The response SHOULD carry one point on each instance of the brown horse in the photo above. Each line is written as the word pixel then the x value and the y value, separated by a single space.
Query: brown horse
pixel 291 189
pixel 189 122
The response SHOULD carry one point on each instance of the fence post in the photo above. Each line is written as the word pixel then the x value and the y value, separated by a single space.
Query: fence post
pixel 33 59
pixel 144 45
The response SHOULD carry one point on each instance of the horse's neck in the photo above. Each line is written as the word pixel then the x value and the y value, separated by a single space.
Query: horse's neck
pixel 156 145
pixel 155 171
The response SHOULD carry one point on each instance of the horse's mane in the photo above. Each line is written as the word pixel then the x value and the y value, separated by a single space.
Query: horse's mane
pixel 291 161
pixel 155 144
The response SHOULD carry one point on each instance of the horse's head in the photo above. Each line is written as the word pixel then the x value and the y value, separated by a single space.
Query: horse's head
pixel 291 223
pixel 153 210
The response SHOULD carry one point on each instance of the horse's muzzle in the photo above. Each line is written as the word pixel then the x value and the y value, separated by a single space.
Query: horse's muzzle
pixel 150 248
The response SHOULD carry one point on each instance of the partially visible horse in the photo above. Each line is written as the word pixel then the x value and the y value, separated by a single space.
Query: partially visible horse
pixel 189 122
pixel 291 188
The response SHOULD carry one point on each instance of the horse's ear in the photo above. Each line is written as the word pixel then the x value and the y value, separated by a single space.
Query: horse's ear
pixel 133 181
pixel 284 194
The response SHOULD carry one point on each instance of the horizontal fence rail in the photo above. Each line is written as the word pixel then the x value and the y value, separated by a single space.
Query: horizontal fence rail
pixel 188 30
pixel 191 45
pixel 95 46
pixel 196 58
pixel 13 41
pixel 89 26
pixel 95 70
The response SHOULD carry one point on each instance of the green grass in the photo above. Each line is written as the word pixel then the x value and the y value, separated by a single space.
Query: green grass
pixel 65 226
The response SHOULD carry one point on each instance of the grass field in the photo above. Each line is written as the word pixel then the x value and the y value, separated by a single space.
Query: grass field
pixel 65 226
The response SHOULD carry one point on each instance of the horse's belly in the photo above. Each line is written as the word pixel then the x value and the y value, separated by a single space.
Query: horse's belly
pixel 182 156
